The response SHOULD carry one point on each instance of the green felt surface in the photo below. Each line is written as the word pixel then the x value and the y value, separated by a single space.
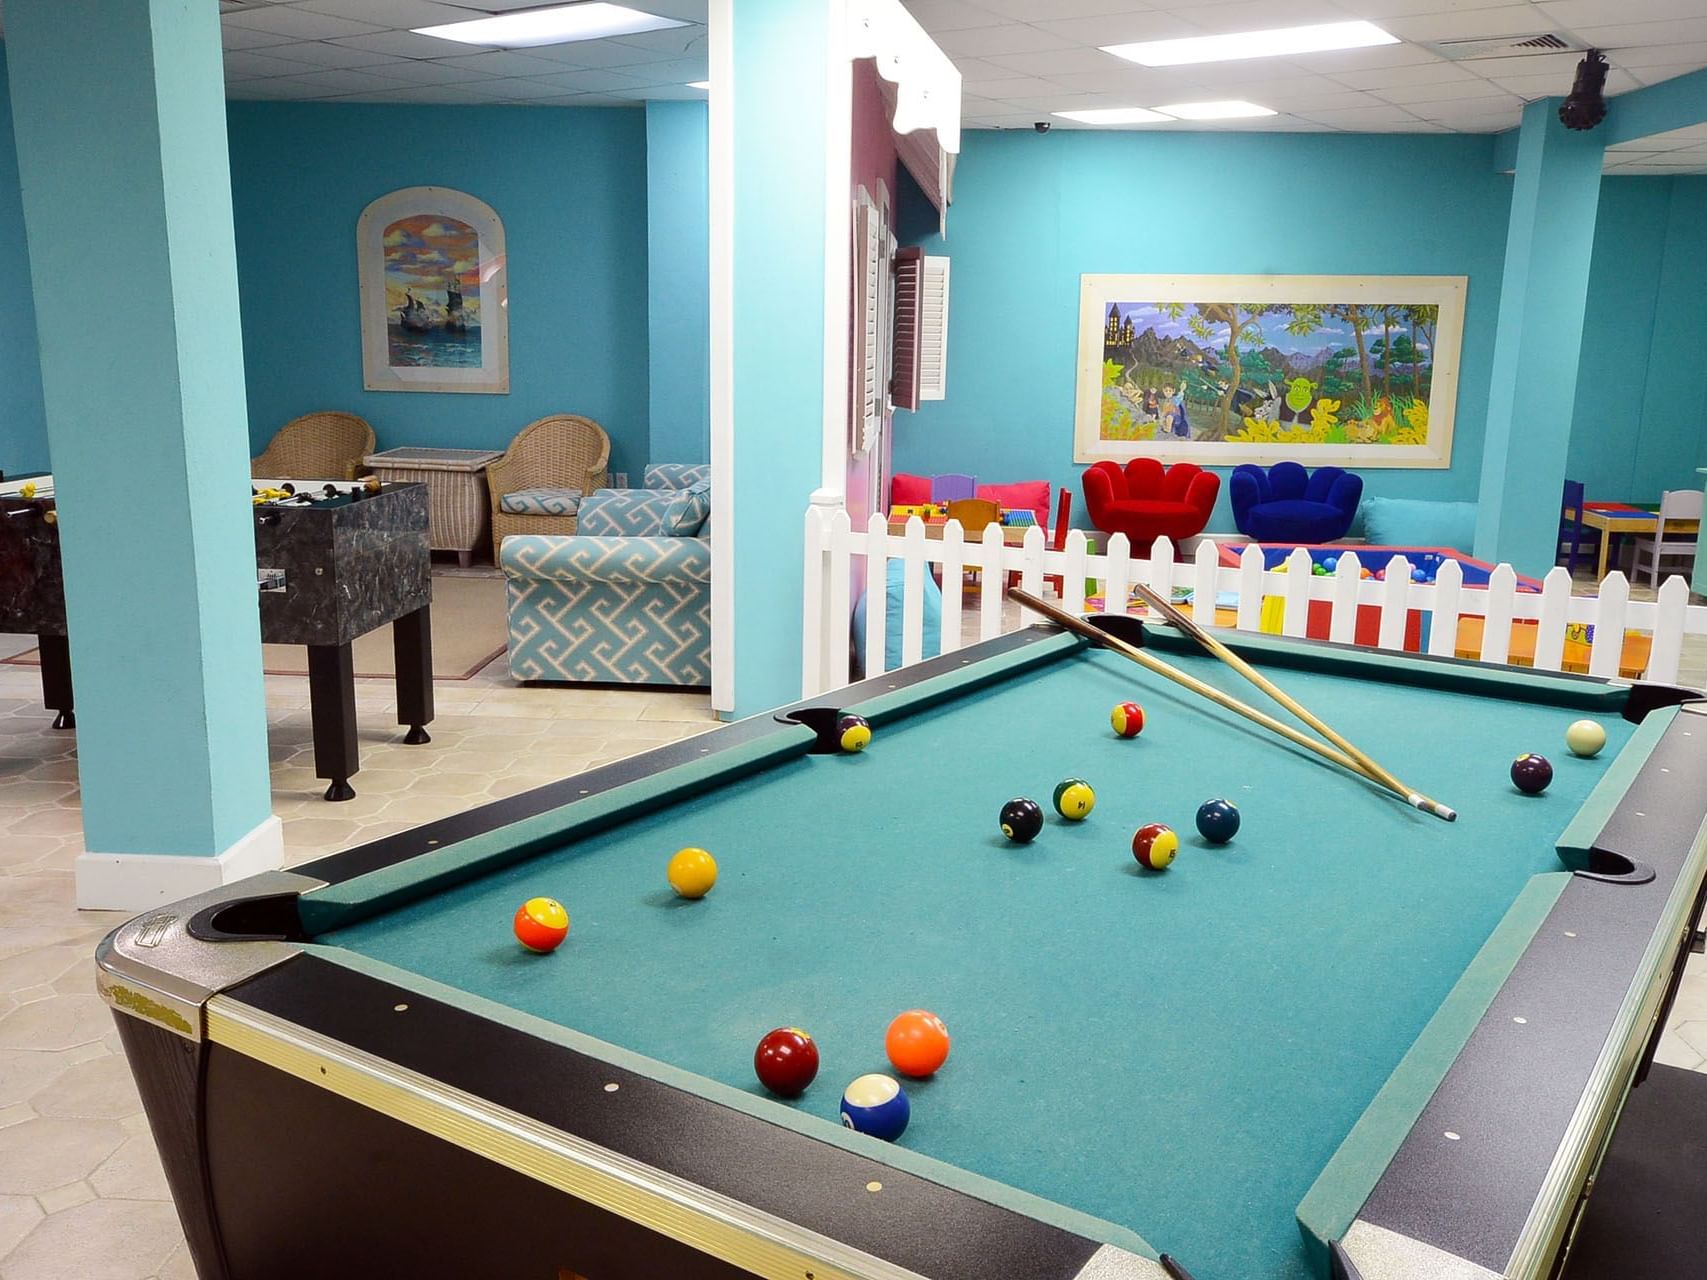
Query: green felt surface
pixel 1178 1053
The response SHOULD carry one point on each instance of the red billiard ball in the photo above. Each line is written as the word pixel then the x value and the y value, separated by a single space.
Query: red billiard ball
pixel 1127 719
pixel 1154 845
pixel 786 1061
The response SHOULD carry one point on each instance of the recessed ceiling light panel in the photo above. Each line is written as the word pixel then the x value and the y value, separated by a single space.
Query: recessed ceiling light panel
pixel 561 24
pixel 1114 115
pixel 1279 43
pixel 1230 110
pixel 699 84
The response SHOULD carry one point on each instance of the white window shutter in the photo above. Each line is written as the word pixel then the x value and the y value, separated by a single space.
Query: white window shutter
pixel 933 330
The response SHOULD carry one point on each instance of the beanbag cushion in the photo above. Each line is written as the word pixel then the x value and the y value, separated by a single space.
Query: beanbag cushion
pixel 1413 522
pixel 892 620
pixel 909 491
pixel 1027 495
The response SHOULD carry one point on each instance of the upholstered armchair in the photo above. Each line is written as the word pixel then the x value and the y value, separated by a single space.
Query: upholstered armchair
pixel 1147 501
pixel 537 486
pixel 1286 503
pixel 317 446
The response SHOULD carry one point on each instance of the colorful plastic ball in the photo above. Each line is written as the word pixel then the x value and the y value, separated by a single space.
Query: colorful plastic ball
pixel 1331 563
pixel 853 733
pixel 1155 845
pixel 1022 820
pixel 1364 573
pixel 1318 570
pixel 1585 738
pixel 1127 719
pixel 692 872
pixel 1419 575
pixel 875 1105
pixel 1380 575
pixel 916 1042
pixel 541 924
pixel 1218 820
pixel 1074 799
pixel 786 1061
pixel 1531 773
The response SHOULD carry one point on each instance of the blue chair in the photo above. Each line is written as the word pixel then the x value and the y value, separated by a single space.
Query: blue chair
pixel 1575 538
pixel 1286 503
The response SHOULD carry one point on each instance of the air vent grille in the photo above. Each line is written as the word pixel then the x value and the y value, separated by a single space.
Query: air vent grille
pixel 1505 47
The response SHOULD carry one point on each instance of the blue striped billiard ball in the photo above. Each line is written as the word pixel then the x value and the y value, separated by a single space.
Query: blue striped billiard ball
pixel 875 1105
pixel 1218 820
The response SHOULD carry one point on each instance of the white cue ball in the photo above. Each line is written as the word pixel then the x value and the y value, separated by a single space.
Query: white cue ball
pixel 1585 738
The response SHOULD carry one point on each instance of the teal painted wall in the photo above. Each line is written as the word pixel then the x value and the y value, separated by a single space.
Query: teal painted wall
pixel 23 428
pixel 1640 425
pixel 678 282
pixel 1032 213
pixel 570 185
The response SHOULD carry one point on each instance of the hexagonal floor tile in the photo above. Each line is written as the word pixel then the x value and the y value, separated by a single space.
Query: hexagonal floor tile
pixel 99 1089
pixel 100 1240
pixel 39 1155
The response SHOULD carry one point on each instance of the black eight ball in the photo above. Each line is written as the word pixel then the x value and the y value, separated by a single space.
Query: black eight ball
pixel 1021 820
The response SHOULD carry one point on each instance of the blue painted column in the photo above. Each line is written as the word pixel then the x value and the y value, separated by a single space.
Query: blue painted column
pixel 119 112
pixel 782 79
pixel 1543 298
pixel 678 282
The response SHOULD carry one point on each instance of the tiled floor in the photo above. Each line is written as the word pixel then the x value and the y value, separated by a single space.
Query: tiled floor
pixel 81 1192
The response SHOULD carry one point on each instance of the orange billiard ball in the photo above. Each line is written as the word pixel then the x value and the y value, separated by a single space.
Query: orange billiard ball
pixel 1127 719
pixel 917 1042
pixel 541 924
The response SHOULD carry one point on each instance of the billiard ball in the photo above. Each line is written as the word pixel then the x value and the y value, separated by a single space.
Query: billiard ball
pixel 786 1061
pixel 1585 738
pixel 1127 719
pixel 917 1042
pixel 1155 845
pixel 1218 820
pixel 875 1105
pixel 1074 799
pixel 1022 819
pixel 853 733
pixel 692 872
pixel 1531 773
pixel 541 924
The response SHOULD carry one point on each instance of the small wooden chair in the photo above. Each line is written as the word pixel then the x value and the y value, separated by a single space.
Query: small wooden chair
pixel 1675 504
pixel 952 487
pixel 1057 542
pixel 975 515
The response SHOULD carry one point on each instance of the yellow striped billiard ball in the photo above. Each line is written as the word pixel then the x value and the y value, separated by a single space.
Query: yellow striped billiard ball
pixel 853 733
pixel 1127 719
pixel 692 872
pixel 1155 845
pixel 541 924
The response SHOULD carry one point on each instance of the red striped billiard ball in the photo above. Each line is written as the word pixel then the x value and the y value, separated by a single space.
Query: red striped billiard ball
pixel 1127 719
pixel 541 924
pixel 786 1061
pixel 1154 845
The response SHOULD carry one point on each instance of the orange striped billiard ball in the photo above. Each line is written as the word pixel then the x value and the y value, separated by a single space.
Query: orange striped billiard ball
pixel 541 924
pixel 1127 719
pixel 1154 845
pixel 917 1042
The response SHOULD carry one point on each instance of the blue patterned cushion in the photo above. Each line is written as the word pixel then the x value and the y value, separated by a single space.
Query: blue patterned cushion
pixel 676 475
pixel 541 502
pixel 633 610
pixel 688 510
pixel 632 513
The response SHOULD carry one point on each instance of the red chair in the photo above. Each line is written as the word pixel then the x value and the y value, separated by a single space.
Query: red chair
pixel 1057 542
pixel 1148 501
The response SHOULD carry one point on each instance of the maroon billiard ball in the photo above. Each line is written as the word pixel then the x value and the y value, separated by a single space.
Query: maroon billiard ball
pixel 1531 773
pixel 786 1061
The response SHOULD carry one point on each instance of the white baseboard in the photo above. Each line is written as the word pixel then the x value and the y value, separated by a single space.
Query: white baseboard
pixel 139 881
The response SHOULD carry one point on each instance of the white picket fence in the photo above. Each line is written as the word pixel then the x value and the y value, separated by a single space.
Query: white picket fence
pixel 832 546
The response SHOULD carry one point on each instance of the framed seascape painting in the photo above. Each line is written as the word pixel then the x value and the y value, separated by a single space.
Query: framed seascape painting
pixel 1353 370
pixel 433 293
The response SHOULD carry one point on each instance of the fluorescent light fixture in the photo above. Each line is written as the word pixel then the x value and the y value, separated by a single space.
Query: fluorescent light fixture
pixel 1230 110
pixel 1113 115
pixel 1279 43
pixel 559 25
pixel 700 84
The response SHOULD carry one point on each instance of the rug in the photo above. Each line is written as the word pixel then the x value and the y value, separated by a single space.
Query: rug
pixel 468 633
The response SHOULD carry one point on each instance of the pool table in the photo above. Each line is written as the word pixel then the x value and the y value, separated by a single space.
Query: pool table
pixel 1355 1041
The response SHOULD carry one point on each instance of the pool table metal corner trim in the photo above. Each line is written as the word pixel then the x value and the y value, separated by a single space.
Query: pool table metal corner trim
pixel 154 969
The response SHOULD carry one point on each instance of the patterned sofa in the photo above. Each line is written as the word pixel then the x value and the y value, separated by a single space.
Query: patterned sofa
pixel 625 599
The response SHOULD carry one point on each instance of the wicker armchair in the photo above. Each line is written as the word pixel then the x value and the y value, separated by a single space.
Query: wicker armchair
pixel 562 452
pixel 316 446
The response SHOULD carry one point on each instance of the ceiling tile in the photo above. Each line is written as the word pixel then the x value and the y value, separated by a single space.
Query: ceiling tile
pixel 606 53
pixel 585 100
pixel 322 53
pixel 1475 91
pixel 950 15
pixel 1437 72
pixel 327 82
pixel 1362 117
pixel 300 24
pixel 413 71
pixel 1556 86
pixel 246 38
pixel 243 65
pixel 503 63
pixel 1256 15
pixel 680 71
pixel 1014 86
pixel 271 91
pixel 1124 28
pixel 522 90
pixel 1039 10
pixel 1620 35
pixel 660 93
pixel 406 44
pixel 1057 62
pixel 1465 24
pixel 445 94
pixel 1588 13
pixel 393 13
pixel 594 81
pixel 1335 61
pixel 1014 37
pixel 674 41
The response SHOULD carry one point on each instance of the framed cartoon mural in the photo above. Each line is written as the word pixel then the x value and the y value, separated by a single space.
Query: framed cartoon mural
pixel 433 293
pixel 1353 370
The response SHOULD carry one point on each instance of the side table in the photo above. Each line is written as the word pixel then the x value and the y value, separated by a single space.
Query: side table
pixel 457 507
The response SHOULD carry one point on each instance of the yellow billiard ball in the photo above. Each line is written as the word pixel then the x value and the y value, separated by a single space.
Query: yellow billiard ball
pixel 853 733
pixel 1074 799
pixel 1585 738
pixel 541 924
pixel 692 872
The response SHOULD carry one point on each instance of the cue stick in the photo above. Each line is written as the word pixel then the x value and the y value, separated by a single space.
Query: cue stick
pixel 1062 618
pixel 1368 766
pixel 1171 1265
